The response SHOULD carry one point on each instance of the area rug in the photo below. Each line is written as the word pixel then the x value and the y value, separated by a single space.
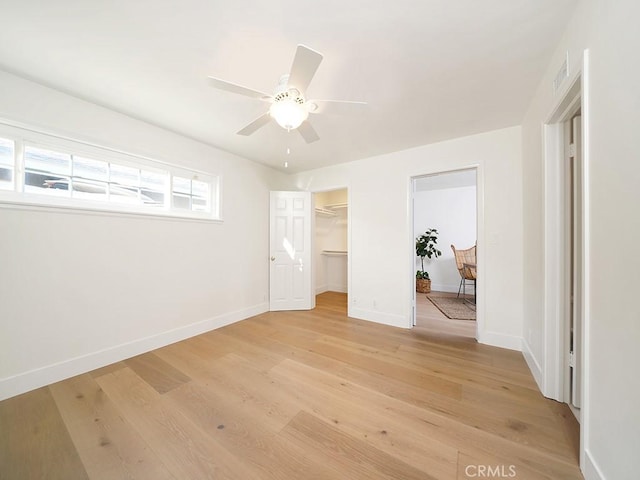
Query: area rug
pixel 453 307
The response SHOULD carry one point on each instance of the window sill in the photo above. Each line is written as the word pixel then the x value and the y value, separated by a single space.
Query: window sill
pixel 40 206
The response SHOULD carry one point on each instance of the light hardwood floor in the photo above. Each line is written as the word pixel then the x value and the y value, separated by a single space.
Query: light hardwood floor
pixel 433 321
pixel 296 395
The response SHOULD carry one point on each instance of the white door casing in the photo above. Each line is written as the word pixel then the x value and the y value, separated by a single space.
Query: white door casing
pixel 290 251
pixel 575 334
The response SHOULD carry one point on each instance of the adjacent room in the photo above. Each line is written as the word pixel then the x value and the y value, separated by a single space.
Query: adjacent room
pixel 444 225
pixel 363 240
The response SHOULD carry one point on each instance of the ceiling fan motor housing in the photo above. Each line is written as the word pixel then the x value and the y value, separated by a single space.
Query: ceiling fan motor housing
pixel 285 92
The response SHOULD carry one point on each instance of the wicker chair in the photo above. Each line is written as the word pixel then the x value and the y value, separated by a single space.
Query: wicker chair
pixel 464 260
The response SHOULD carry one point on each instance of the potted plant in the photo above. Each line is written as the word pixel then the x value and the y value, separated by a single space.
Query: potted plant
pixel 426 247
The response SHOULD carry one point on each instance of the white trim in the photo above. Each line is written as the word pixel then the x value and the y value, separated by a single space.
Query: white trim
pixel 502 340
pixel 376 316
pixel 337 287
pixel 590 468
pixel 554 334
pixel 321 289
pixel 533 363
pixel 61 205
pixel 56 372
pixel 450 288
pixel 554 361
pixel 585 411
pixel 553 269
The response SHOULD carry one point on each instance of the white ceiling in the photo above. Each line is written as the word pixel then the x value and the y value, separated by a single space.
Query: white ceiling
pixel 430 69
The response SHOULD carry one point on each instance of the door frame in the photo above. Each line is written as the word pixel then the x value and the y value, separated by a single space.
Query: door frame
pixel 480 256
pixel 555 357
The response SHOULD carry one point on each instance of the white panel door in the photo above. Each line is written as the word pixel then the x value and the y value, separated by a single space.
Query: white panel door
pixel 290 245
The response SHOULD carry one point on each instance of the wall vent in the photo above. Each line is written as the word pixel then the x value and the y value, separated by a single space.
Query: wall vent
pixel 562 74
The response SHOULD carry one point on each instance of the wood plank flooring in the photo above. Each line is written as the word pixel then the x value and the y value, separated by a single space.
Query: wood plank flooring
pixel 292 395
pixel 433 320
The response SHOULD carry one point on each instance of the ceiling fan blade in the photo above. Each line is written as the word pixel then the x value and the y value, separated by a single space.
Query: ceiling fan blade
pixel 259 122
pixel 239 89
pixel 308 132
pixel 304 66
pixel 337 106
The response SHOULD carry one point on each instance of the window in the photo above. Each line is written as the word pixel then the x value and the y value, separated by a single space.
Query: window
pixel 60 172
pixel 190 194
pixel 90 179
pixel 46 172
pixel 7 160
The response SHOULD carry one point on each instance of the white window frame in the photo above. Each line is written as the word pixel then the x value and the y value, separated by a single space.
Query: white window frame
pixel 24 136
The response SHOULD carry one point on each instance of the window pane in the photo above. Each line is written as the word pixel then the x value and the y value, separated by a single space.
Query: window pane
pixel 46 171
pixel 124 185
pixel 181 202
pixel 181 193
pixel 200 201
pixel 89 179
pixel 154 186
pixel 89 189
pixel 181 185
pixel 6 164
pixel 90 169
pixel 125 175
pixel 128 195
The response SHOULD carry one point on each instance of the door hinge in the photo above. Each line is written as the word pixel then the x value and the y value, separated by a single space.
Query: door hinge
pixel 572 149
pixel 572 359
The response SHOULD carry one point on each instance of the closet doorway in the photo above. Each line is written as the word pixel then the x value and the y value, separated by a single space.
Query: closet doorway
pixel 331 242
pixel 447 202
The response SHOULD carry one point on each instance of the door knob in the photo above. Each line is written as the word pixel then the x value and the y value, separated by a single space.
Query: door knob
pixel 273 259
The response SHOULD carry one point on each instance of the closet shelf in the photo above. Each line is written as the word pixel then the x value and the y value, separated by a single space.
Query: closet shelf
pixel 335 253
pixel 335 206
pixel 325 212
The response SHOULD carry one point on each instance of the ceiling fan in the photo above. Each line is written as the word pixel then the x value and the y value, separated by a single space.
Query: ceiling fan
pixel 289 107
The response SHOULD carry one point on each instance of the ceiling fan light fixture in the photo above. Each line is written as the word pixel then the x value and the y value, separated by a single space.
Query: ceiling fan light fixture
pixel 288 113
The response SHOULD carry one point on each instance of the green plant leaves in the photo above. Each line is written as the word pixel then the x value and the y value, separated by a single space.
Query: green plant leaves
pixel 426 247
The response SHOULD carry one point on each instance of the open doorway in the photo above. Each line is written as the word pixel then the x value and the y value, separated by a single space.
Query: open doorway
pixel 566 269
pixel 447 203
pixel 331 241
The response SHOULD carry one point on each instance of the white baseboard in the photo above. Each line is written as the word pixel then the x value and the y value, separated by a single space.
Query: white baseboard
pixel 443 287
pixel 336 287
pixel 501 340
pixel 532 363
pixel 379 317
pixel 321 289
pixel 590 470
pixel 32 379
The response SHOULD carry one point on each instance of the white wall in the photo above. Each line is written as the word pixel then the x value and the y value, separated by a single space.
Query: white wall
pixel 78 291
pixel 452 211
pixel 611 417
pixel 382 259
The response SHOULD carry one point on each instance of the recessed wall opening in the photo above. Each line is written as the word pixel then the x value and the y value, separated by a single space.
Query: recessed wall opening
pixel 445 231
pixel 565 264
pixel 331 240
